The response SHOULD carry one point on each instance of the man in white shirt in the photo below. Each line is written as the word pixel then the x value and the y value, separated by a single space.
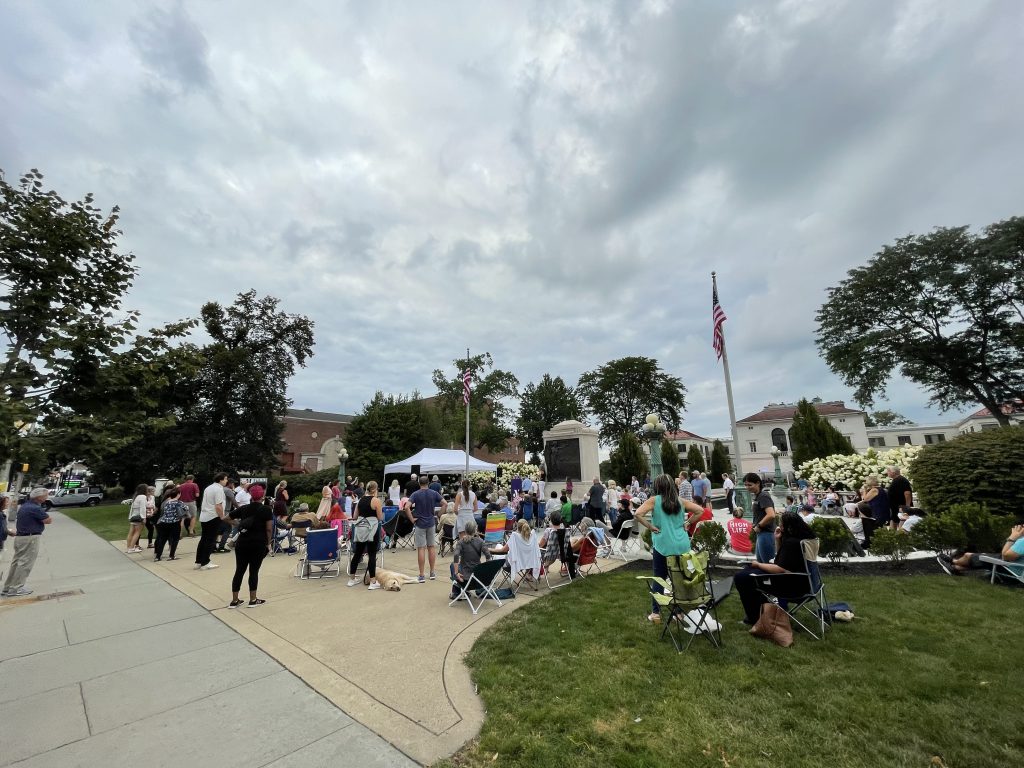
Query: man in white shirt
pixel 212 511
pixel 242 496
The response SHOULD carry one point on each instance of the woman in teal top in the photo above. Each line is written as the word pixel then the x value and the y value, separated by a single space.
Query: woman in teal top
pixel 667 527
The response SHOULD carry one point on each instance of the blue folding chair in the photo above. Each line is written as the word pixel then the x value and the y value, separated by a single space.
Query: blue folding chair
pixel 322 554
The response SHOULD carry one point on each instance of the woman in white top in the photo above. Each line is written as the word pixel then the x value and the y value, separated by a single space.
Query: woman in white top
pixel 395 493
pixel 326 499
pixel 611 501
pixel 466 506
pixel 136 518
pixel 730 487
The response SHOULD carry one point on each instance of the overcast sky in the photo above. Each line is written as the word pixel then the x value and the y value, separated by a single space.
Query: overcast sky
pixel 551 182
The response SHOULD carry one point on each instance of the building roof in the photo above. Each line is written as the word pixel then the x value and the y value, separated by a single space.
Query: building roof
pixel 1010 409
pixel 683 434
pixel 310 415
pixel 785 411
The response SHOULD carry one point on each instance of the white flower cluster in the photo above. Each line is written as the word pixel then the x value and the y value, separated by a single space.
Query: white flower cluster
pixel 509 469
pixel 853 470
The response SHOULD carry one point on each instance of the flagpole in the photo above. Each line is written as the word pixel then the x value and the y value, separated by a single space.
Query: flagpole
pixel 728 396
pixel 464 373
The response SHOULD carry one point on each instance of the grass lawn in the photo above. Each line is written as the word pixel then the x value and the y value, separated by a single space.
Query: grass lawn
pixel 108 521
pixel 927 668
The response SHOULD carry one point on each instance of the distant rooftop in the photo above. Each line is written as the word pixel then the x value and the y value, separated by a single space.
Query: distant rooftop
pixel 310 415
pixel 785 411
pixel 683 434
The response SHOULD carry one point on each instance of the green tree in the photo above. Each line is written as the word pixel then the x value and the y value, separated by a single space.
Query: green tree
pixel 543 405
pixel 944 309
pixel 887 418
pixel 669 458
pixel 490 417
pixel 628 460
pixel 813 437
pixel 695 460
pixel 621 393
pixel 389 428
pixel 63 280
pixel 720 462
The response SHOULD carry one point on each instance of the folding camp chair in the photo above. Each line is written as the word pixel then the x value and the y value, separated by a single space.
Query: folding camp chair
pixel 796 591
pixel 522 563
pixel 603 539
pixel 686 592
pixel 494 528
pixel 283 543
pixel 404 534
pixel 586 560
pixel 480 584
pixel 321 553
pixel 631 544
pixel 567 558
pixel 341 528
pixel 387 532
pixel 447 539
pixel 1004 569
pixel 621 539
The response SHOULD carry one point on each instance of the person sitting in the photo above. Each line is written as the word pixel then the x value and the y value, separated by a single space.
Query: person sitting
pixel 909 517
pixel 506 509
pixel 283 533
pixel 806 511
pixel 695 520
pixel 1013 550
pixel 551 542
pixel 469 551
pixel 739 529
pixel 831 500
pixel 553 504
pixel 789 559
pixel 791 505
pixel 576 541
pixel 625 513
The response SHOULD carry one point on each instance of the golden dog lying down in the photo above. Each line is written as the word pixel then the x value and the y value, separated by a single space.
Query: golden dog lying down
pixel 390 580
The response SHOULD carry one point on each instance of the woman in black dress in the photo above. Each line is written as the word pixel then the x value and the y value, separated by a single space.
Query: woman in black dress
pixel 255 522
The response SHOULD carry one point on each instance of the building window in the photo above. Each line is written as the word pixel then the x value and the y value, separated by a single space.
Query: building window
pixel 904 440
pixel 779 439
pixel 753 446
pixel 876 442
pixel 987 427
pixel 842 421
pixel 932 439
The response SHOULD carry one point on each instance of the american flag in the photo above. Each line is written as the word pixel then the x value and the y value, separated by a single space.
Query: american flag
pixel 717 318
pixel 466 378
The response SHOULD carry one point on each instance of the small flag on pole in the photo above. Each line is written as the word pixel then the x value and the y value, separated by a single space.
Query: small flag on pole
pixel 466 377
pixel 717 318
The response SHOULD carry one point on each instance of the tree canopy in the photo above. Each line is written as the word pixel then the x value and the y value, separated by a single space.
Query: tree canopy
pixel 621 393
pixel 628 460
pixel 945 309
pixel 887 418
pixel 720 462
pixel 390 428
pixel 669 458
pixel 695 460
pixel 814 438
pixel 490 417
pixel 543 405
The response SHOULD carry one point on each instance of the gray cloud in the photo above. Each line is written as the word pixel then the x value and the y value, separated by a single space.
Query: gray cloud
pixel 551 182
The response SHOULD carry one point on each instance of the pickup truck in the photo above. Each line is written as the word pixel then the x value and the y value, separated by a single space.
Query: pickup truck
pixel 84 496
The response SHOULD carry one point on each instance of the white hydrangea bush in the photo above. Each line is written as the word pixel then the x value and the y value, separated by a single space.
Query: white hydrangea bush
pixel 509 469
pixel 853 470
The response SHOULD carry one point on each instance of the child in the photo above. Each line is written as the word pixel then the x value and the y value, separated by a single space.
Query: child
pixel 469 551
pixel 739 534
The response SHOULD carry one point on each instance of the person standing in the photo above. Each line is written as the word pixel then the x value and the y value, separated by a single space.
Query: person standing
pixel 542 482
pixel 568 487
pixel 878 499
pixel 368 506
pixel 255 524
pixel 466 505
pixel 242 495
pixel 901 494
pixel 31 522
pixel 423 504
pixel 634 486
pixel 189 494
pixel 685 489
pixel 211 513
pixel 324 507
pixel 168 524
pixel 595 500
pixel 730 490
pixel 765 519
pixel 395 493
pixel 150 515
pixel 435 485
pixel 668 529
pixel 230 502
pixel 412 486
pixel 136 518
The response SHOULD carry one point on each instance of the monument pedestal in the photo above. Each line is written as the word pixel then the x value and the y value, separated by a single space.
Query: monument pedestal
pixel 570 451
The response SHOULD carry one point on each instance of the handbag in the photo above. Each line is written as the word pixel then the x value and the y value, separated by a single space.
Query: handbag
pixel 365 529
pixel 774 625
pixel 135 519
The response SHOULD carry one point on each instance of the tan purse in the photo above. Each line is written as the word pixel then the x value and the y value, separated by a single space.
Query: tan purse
pixel 774 625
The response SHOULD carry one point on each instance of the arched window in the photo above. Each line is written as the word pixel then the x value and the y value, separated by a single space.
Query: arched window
pixel 779 439
pixel 791 443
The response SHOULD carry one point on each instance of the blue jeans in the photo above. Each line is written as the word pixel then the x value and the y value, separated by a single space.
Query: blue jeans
pixel 764 548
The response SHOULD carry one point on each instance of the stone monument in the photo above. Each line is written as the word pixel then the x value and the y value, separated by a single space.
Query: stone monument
pixel 570 451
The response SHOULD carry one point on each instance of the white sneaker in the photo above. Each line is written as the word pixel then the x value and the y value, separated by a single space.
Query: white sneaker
pixel 210 566
pixel 351 583
pixel 196 567
pixel 374 585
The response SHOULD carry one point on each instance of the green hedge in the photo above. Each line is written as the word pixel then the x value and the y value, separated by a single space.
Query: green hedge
pixel 983 467
pixel 306 484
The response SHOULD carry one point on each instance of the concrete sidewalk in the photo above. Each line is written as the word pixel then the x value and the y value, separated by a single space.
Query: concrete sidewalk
pixel 128 671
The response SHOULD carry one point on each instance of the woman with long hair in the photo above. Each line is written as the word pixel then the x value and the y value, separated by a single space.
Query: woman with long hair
pixel 466 505
pixel 792 530
pixel 150 515
pixel 369 506
pixel 281 491
pixel 395 493
pixel 136 518
pixel 668 529
pixel 324 508
pixel 255 528
pixel 168 523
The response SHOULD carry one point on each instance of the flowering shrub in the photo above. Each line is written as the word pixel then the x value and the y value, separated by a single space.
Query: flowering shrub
pixel 509 469
pixel 853 470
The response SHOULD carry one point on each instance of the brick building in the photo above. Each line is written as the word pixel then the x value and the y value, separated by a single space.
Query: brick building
pixel 311 439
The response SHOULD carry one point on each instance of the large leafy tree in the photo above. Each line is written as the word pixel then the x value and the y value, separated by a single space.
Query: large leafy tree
pixel 490 417
pixel 621 393
pixel 813 437
pixel 945 309
pixel 720 462
pixel 62 279
pixel 628 460
pixel 543 405
pixel 695 459
pixel 887 418
pixel 389 428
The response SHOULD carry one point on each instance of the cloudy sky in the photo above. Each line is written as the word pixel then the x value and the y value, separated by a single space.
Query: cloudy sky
pixel 552 182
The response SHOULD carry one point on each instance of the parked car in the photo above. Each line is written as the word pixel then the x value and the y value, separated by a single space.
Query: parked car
pixel 84 496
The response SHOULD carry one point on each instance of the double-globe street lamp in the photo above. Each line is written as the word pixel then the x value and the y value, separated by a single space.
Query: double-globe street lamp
pixel 342 458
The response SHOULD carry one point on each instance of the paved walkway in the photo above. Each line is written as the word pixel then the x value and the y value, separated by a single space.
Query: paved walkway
pixel 128 671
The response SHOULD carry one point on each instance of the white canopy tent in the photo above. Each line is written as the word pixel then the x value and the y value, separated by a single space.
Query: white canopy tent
pixel 439 460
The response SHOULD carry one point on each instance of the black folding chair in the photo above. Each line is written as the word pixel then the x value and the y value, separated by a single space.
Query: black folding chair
pixel 480 584
pixel 804 591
